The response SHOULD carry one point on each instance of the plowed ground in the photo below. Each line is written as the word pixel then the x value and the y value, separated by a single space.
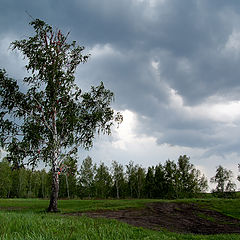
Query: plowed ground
pixel 175 217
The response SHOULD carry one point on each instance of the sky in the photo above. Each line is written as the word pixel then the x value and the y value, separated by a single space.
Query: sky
pixel 174 67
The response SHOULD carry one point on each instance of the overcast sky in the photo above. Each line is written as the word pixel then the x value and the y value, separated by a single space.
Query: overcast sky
pixel 173 65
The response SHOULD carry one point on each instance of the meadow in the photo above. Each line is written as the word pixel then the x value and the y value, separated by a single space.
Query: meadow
pixel 27 219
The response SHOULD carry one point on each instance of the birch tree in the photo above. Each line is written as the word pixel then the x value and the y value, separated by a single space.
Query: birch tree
pixel 103 181
pixel 118 176
pixel 86 179
pixel 52 118
pixel 223 178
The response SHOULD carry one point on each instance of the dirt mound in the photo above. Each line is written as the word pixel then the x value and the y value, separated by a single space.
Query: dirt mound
pixel 176 217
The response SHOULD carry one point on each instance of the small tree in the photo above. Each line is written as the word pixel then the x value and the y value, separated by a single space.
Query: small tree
pixel 118 176
pixel 189 180
pixel 68 178
pixel 52 118
pixel 140 180
pixel 86 176
pixel 44 189
pixel 160 184
pixel 223 179
pixel 5 179
pixel 150 183
pixel 170 179
pixel 131 177
pixel 102 181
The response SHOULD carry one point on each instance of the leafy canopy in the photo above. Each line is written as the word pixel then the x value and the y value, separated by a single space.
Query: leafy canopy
pixel 52 118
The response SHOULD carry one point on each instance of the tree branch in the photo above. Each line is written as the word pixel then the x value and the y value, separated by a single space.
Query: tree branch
pixel 44 119
pixel 68 154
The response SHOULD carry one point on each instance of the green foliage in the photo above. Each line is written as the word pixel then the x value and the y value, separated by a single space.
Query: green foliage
pixel 23 183
pixel 149 182
pixel 159 180
pixel 170 178
pixel 118 178
pixel 53 104
pixel 173 180
pixel 45 183
pixel 140 181
pixel 19 183
pixel 135 176
pixel 52 118
pixel 102 181
pixel 189 180
pixel 86 178
pixel 68 178
pixel 131 177
pixel 223 178
pixel 5 179
pixel 168 181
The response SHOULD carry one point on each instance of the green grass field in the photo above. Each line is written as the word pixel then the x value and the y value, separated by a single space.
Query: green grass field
pixel 26 219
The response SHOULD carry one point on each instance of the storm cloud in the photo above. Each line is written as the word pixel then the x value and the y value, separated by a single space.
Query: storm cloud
pixel 173 65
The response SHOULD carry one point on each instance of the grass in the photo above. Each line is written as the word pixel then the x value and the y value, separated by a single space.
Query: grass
pixel 66 206
pixel 229 207
pixel 48 226
pixel 26 219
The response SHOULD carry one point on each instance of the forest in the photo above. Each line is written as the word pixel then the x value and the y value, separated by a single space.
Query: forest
pixel 91 181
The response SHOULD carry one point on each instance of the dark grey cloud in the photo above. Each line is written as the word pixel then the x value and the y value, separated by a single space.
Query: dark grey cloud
pixel 185 39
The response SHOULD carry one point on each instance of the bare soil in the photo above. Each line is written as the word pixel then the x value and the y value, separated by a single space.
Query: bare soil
pixel 175 217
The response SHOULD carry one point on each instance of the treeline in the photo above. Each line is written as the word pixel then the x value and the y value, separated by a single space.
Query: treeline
pixel 169 180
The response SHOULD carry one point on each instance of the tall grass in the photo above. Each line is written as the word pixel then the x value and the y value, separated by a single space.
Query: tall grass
pixel 31 226
pixel 26 219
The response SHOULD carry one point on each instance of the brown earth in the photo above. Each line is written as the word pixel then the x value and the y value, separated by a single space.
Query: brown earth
pixel 175 217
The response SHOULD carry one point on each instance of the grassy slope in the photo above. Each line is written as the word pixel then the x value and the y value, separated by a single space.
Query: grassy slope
pixel 25 219
pixel 230 207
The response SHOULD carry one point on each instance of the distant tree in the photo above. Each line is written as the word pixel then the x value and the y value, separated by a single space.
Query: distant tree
pixel 131 177
pixel 33 184
pixel 20 183
pixel 5 178
pixel 68 178
pixel 103 181
pixel 140 181
pixel 223 178
pixel 150 183
pixel 86 177
pixel 201 182
pixel 14 191
pixel 159 180
pixel 118 176
pixel 44 189
pixel 52 118
pixel 170 179
pixel 189 180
